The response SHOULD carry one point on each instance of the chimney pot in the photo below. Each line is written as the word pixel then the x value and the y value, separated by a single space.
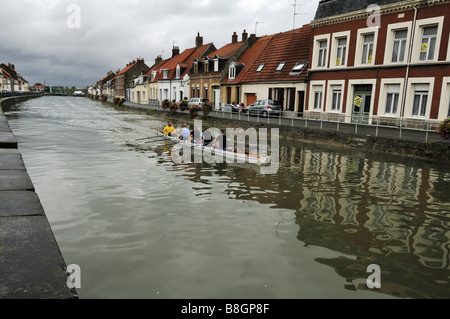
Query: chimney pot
pixel 234 38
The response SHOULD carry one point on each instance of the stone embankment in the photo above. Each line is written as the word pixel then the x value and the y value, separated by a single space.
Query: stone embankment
pixel 31 263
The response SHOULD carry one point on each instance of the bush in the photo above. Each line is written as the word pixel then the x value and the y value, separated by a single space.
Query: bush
pixel 207 108
pixel 173 107
pixel 183 105
pixel 193 111
pixel 444 129
pixel 165 104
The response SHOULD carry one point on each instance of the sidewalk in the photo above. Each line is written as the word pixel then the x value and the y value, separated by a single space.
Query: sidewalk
pixel 31 263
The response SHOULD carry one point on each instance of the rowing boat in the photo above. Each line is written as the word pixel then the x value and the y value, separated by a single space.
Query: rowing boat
pixel 229 156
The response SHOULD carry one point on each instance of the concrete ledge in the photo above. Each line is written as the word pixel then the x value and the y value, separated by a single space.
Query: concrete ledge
pixel 31 263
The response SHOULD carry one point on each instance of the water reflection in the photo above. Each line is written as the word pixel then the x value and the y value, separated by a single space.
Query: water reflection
pixel 372 212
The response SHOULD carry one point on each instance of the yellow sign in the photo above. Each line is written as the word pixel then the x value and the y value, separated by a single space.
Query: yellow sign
pixel 424 48
pixel 358 101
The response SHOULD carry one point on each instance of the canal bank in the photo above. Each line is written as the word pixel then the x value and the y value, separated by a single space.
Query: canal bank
pixel 434 151
pixel 31 263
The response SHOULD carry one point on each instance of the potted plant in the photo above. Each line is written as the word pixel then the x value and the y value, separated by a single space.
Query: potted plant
pixel 173 107
pixel 183 105
pixel 444 129
pixel 207 108
pixel 165 104
pixel 193 111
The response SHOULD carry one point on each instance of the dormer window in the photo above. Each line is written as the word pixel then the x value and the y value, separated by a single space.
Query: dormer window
pixel 206 66
pixel 260 68
pixel 178 71
pixel 281 66
pixel 165 74
pixel 153 75
pixel 195 67
pixel 232 75
pixel 216 65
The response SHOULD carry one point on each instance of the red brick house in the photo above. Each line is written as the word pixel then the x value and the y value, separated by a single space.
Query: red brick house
pixel 384 64
pixel 278 69
pixel 127 75
pixel 207 73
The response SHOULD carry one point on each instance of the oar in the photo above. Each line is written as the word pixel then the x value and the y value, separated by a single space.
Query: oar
pixel 150 138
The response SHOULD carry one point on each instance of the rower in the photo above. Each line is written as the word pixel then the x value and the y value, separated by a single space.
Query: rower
pixel 185 133
pixel 169 129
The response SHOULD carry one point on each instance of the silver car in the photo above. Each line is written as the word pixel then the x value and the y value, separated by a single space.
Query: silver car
pixel 265 108
pixel 197 101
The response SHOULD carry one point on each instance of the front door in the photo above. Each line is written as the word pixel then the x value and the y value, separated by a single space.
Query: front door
pixel 362 100
pixel 216 97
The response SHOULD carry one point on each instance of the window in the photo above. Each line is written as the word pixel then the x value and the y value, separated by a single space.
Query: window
pixel 399 48
pixel 216 65
pixel 281 66
pixel 261 66
pixel 298 68
pixel 195 67
pixel 428 46
pixel 178 71
pixel 392 98
pixel 322 53
pixel 318 97
pixel 165 74
pixel 367 49
pixel 420 100
pixel 448 113
pixel 341 52
pixel 206 66
pixel 232 72
pixel 336 100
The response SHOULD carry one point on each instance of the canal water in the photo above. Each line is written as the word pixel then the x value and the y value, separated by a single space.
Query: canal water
pixel 141 226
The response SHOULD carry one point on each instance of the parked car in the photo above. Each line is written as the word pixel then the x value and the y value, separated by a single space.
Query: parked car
pixel 230 108
pixel 197 101
pixel 265 108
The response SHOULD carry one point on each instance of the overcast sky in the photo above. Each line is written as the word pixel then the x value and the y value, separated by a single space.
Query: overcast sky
pixel 47 42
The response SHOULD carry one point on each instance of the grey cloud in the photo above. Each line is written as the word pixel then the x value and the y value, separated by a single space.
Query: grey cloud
pixel 37 40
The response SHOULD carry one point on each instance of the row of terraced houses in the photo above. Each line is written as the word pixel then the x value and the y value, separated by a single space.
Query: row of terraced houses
pixel 355 62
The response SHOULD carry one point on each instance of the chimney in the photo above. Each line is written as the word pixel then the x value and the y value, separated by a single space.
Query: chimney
pixel 252 39
pixel 175 51
pixel 234 38
pixel 198 41
pixel 158 60
pixel 244 36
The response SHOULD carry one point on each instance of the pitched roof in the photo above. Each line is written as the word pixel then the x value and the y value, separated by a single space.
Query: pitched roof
pixel 290 48
pixel 329 8
pixel 184 59
pixel 250 56
pixel 226 51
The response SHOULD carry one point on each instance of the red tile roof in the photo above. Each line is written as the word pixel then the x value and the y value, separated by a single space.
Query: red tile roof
pixel 250 56
pixel 184 59
pixel 226 51
pixel 289 47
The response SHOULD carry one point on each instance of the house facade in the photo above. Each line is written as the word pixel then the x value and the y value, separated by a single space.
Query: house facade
pixel 125 77
pixel 174 78
pixel 207 73
pixel 383 64
pixel 278 70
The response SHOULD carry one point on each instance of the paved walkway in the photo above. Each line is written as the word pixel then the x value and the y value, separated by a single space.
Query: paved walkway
pixel 31 263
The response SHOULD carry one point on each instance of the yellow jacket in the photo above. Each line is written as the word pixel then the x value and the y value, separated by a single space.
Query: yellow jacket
pixel 169 130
